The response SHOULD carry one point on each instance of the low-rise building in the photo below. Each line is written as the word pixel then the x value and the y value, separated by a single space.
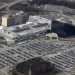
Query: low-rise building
pixel 52 36
pixel 22 32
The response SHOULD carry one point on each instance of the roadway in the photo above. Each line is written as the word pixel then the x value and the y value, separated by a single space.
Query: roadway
pixel 9 4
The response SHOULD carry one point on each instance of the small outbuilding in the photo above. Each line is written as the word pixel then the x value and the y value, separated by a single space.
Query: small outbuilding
pixel 52 36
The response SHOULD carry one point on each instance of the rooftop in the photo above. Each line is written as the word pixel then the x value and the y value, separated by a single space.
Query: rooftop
pixel 66 19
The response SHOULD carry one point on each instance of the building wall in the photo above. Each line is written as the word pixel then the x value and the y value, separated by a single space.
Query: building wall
pixel 69 29
pixel 4 21
pixel 25 18
pixel 58 28
pixel 18 19
pixel 8 21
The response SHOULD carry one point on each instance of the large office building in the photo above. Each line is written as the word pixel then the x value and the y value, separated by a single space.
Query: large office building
pixel 14 19
pixel 64 26
pixel 22 32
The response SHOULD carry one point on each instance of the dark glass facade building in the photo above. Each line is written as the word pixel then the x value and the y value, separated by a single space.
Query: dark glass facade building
pixel 62 29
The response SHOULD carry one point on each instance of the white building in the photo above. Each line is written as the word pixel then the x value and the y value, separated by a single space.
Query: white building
pixel 22 32
pixel 41 20
pixel 52 36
